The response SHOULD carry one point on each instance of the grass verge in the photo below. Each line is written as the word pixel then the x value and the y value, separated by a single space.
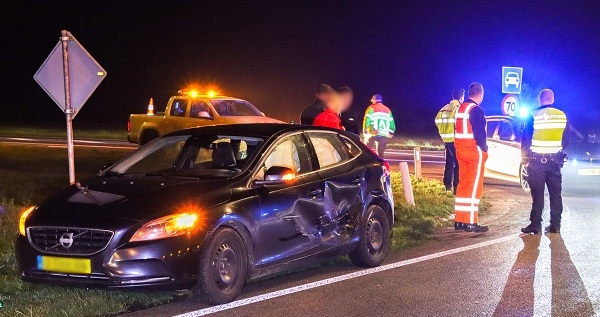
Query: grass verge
pixel 36 132
pixel 30 173
pixel 433 209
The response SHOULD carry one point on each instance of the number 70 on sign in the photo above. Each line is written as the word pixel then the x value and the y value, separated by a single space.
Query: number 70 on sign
pixel 510 105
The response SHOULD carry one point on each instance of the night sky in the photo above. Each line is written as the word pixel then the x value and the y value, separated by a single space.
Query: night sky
pixel 276 54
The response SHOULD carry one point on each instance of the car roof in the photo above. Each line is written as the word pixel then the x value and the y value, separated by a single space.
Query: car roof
pixel 262 130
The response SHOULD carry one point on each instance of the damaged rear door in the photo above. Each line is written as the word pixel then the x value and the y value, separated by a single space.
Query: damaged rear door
pixel 343 186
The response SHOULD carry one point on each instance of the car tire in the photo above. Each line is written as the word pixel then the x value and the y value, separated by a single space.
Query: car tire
pixel 523 178
pixel 223 268
pixel 374 243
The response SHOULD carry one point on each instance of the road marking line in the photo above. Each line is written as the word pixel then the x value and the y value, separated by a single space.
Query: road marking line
pixel 308 286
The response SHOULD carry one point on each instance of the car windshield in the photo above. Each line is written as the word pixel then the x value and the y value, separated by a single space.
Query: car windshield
pixel 229 108
pixel 189 156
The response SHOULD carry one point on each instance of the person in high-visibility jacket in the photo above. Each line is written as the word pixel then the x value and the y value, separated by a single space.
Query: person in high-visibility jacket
pixel 471 152
pixel 445 123
pixel 378 125
pixel 545 135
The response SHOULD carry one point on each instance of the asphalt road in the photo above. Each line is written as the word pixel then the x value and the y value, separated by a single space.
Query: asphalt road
pixel 500 273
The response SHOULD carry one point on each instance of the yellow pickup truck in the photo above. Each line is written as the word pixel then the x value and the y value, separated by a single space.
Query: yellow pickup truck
pixel 191 109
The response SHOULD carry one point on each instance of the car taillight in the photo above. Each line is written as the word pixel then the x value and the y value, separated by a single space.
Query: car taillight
pixel 386 168
pixel 128 125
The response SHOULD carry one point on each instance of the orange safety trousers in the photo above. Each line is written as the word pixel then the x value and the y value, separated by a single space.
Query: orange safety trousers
pixel 471 163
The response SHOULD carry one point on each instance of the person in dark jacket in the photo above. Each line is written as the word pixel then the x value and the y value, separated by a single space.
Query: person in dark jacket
pixel 349 118
pixel 309 113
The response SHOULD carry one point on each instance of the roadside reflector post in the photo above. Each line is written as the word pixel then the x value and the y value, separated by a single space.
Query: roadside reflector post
pixel 64 39
pixel 418 172
pixel 407 184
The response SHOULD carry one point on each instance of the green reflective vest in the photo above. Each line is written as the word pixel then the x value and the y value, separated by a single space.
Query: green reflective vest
pixel 548 127
pixel 445 121
pixel 379 121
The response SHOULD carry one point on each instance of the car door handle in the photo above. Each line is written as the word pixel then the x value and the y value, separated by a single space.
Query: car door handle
pixel 315 192
pixel 357 180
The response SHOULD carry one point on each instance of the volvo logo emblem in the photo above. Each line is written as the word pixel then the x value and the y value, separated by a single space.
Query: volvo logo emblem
pixel 66 240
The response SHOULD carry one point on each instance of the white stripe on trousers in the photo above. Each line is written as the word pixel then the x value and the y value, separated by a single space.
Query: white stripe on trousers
pixel 476 184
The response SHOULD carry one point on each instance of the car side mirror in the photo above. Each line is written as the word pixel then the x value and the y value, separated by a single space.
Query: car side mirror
pixel 277 175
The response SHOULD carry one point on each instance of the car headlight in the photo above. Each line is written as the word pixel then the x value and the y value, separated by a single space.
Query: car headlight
pixel 24 214
pixel 166 227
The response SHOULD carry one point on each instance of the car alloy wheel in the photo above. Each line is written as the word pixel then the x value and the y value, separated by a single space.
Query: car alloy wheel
pixel 374 243
pixel 223 267
pixel 523 178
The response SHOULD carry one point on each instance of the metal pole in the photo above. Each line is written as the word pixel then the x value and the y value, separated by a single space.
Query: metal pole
pixel 64 39
pixel 418 173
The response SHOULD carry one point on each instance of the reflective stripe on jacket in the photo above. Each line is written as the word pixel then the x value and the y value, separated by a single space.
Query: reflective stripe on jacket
pixel 464 130
pixel 445 121
pixel 379 121
pixel 548 127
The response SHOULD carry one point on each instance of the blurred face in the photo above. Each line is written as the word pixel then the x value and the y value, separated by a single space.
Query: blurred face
pixel 346 99
pixel 324 96
pixel 334 103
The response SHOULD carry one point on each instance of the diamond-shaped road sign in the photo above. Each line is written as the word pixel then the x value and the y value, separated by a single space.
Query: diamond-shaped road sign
pixel 84 72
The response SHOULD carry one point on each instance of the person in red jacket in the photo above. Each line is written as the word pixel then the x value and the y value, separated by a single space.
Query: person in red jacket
pixel 331 116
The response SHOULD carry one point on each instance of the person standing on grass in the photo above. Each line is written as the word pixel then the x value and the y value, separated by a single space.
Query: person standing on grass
pixel 331 116
pixel 378 125
pixel 470 140
pixel 445 123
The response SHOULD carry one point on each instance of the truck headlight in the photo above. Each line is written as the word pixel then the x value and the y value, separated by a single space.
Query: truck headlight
pixel 24 214
pixel 166 227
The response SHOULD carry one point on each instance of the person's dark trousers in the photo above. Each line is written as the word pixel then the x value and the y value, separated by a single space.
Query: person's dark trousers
pixel 451 167
pixel 378 144
pixel 540 176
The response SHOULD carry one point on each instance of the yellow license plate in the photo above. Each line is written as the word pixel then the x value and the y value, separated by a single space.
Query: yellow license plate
pixel 588 171
pixel 64 265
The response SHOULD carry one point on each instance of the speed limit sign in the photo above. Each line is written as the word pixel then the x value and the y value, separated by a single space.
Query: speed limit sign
pixel 510 105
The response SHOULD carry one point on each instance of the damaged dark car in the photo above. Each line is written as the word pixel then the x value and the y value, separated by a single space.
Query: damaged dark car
pixel 211 208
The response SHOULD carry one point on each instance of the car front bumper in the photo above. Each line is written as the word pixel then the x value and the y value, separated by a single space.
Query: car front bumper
pixel 165 264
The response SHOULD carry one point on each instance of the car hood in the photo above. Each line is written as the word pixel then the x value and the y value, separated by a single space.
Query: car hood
pixel 138 199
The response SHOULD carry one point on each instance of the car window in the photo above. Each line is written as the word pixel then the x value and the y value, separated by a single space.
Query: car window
pixel 199 109
pixel 492 126
pixel 329 148
pixel 505 131
pixel 210 155
pixel 354 149
pixel 291 152
pixel 178 107
pixel 228 108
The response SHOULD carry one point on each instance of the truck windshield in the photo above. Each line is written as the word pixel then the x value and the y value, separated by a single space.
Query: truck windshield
pixel 189 156
pixel 229 108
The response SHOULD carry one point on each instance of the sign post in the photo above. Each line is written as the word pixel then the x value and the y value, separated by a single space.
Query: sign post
pixel 64 40
pixel 512 80
pixel 69 75
pixel 510 105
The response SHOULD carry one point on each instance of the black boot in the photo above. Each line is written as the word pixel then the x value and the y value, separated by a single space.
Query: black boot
pixel 535 229
pixel 553 229
pixel 475 227
pixel 459 226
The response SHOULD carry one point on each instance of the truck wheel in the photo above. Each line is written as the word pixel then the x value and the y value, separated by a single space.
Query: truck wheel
pixel 223 268
pixel 374 244
pixel 523 178
pixel 147 136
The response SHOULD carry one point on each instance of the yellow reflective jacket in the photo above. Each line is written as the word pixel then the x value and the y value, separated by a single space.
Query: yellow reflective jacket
pixel 445 121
